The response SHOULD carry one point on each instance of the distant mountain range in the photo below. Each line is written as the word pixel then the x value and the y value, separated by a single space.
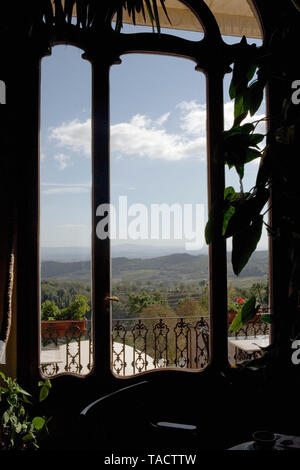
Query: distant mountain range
pixel 127 250
pixel 166 269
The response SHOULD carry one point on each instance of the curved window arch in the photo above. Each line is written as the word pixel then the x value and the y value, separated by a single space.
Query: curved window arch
pixel 215 65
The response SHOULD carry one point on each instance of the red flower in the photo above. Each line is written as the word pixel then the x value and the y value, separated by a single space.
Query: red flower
pixel 240 300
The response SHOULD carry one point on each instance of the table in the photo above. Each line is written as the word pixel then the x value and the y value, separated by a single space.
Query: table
pixel 246 349
pixel 283 442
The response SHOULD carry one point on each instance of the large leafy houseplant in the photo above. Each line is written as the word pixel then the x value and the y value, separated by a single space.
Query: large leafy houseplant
pixel 59 13
pixel 18 430
pixel 244 213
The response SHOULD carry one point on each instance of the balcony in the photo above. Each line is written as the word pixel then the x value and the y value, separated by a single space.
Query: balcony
pixel 145 344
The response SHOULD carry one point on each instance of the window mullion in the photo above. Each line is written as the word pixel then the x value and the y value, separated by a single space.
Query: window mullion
pixel 217 249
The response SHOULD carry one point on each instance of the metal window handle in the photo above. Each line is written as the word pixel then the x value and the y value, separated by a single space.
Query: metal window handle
pixel 112 299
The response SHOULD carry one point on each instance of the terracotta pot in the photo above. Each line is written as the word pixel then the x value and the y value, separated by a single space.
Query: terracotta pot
pixel 231 314
pixel 58 328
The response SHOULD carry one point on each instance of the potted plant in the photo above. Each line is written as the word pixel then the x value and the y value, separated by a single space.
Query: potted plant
pixel 234 308
pixel 18 430
pixel 58 323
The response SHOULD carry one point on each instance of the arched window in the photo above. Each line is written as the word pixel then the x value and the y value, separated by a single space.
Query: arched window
pixel 65 214
pixel 210 55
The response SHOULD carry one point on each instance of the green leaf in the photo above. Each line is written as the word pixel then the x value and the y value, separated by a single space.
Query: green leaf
pixel 18 428
pixel 244 244
pixel 232 89
pixel 44 392
pixel 256 139
pixel 236 323
pixel 2 375
pixel 256 94
pixel 247 314
pixel 229 193
pixel 38 422
pixel 249 310
pixel 227 216
pixel 266 318
pixel 240 118
pixel 239 107
pixel 252 154
pixel 5 418
pixel 28 437
pixel 213 228
pixel 45 383
pixel 240 169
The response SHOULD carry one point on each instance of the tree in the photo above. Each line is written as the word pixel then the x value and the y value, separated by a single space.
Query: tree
pixel 137 302
pixel 188 307
pixel 156 311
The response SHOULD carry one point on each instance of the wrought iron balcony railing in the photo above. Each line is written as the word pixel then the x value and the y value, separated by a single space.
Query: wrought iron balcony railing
pixel 138 345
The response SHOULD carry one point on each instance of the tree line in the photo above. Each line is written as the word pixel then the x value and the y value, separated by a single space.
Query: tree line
pixel 137 300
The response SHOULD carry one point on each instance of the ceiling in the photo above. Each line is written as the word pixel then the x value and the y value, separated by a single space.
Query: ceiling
pixel 234 17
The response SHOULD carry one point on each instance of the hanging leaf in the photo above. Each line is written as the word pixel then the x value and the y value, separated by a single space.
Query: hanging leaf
pixel 247 314
pixel 59 13
pixel 244 244
pixel 229 193
pixel 255 139
pixel 237 121
pixel 256 94
pixel 46 10
pixel 239 107
pixel 213 228
pixel 156 17
pixel 266 318
pixel 243 71
pixel 38 422
pixel 227 216
pixel 68 10
pixel 252 154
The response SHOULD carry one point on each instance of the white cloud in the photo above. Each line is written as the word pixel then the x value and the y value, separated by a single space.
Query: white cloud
pixel 144 137
pixel 193 119
pixel 75 226
pixel 141 137
pixel 63 160
pixel 73 135
pixel 59 188
pixel 162 119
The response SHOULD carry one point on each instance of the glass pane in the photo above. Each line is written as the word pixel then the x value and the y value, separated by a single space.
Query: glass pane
pixel 65 214
pixel 159 196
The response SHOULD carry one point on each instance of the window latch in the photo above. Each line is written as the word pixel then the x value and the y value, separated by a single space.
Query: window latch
pixel 112 299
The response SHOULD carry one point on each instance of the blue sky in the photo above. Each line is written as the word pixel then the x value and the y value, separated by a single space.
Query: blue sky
pixel 157 139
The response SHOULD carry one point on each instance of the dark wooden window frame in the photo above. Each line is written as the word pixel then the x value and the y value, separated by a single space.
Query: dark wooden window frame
pixel 211 56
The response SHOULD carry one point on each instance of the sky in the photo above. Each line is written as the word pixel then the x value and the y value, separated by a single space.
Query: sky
pixel 158 141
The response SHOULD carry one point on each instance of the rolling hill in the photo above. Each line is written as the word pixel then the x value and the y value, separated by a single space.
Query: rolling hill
pixel 180 267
